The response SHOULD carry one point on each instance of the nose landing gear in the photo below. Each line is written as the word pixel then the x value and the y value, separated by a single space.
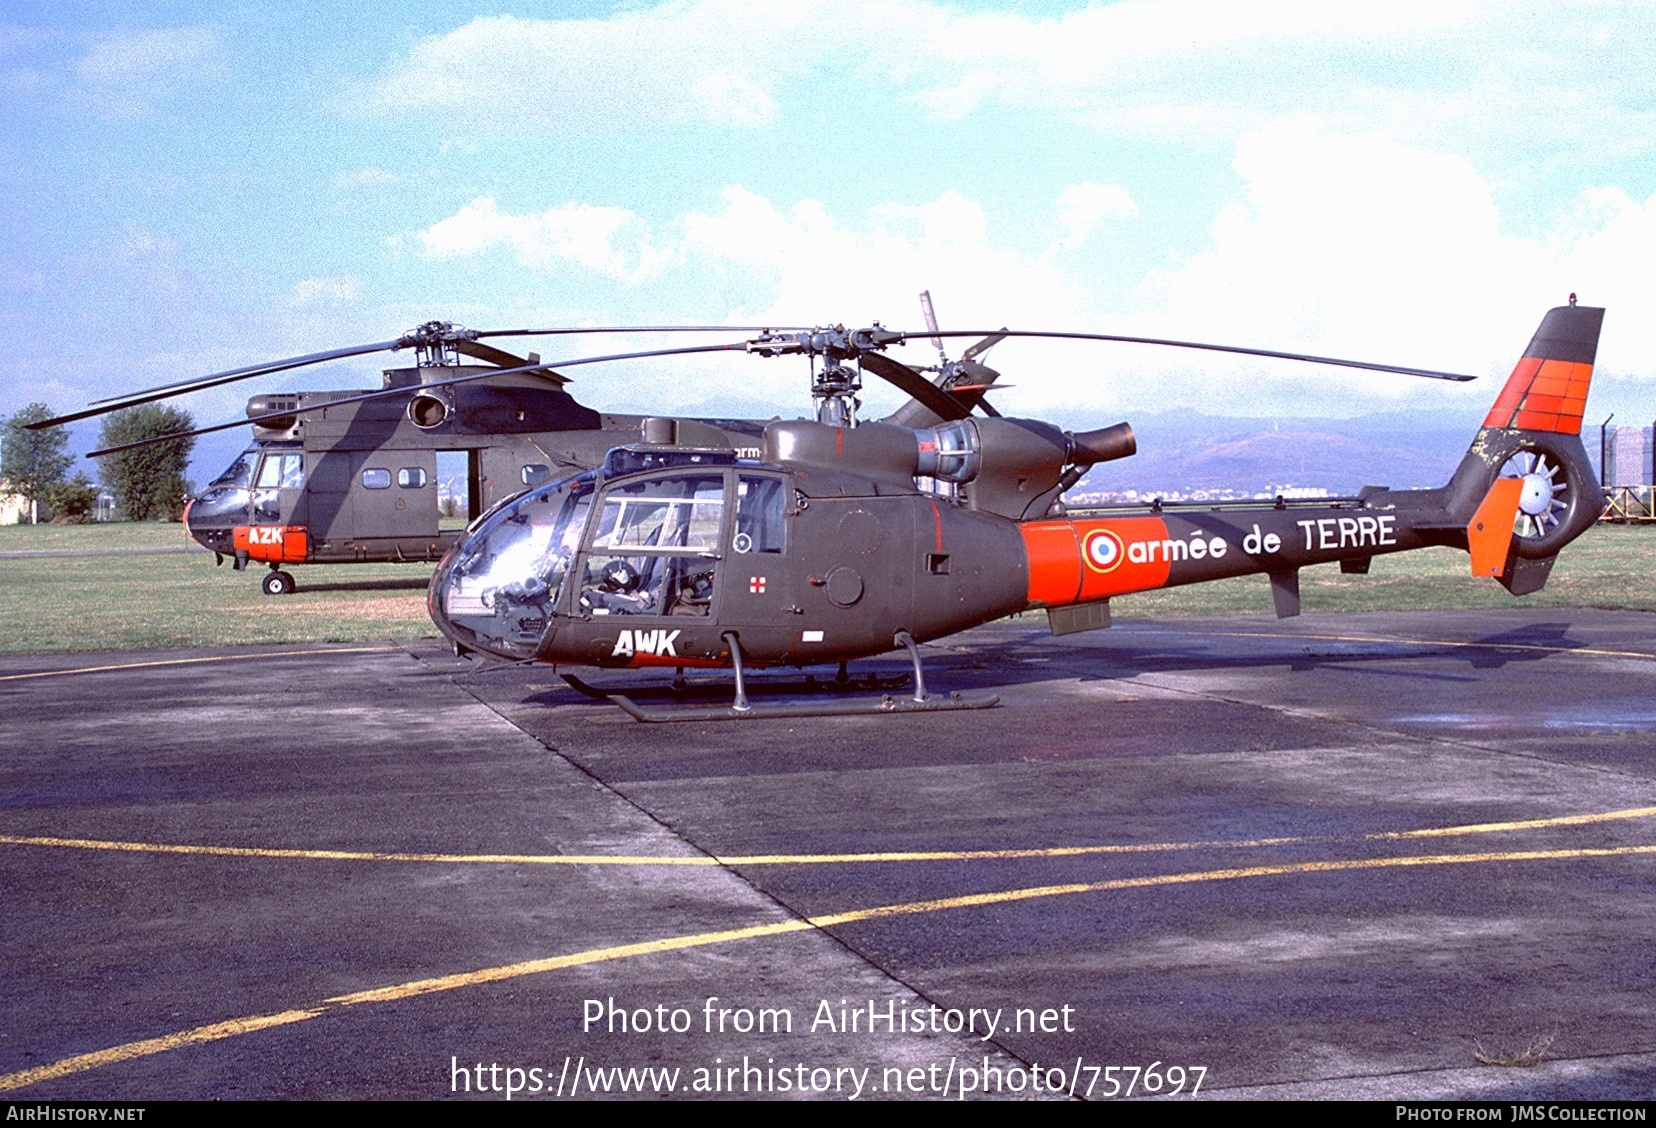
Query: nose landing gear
pixel 277 582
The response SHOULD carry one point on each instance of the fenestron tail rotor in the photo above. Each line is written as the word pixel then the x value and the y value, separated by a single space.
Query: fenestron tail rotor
pixel 1544 498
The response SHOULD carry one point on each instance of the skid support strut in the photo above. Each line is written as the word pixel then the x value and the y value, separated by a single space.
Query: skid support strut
pixel 743 709
pixel 741 705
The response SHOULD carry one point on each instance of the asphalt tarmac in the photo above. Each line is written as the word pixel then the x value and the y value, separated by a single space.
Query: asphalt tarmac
pixel 1395 856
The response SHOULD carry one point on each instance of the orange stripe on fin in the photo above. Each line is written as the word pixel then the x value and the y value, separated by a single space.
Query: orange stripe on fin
pixel 1543 395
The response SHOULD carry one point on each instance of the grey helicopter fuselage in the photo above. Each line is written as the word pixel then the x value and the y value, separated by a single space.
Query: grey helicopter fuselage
pixel 842 542
pixel 359 482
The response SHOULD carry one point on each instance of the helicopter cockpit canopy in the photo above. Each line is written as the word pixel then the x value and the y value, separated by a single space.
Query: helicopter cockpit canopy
pixel 239 474
pixel 250 487
pixel 496 590
pixel 644 542
pixel 655 545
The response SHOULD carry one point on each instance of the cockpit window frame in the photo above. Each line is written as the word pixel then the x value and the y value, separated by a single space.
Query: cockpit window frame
pixel 686 575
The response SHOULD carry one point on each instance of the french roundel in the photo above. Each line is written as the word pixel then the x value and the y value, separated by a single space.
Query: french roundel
pixel 1102 550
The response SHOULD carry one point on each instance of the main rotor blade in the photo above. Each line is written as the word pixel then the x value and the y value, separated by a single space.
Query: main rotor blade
pixel 642 329
pixel 983 346
pixel 182 387
pixel 502 358
pixel 213 380
pixel 1428 373
pixel 917 386
pixel 268 366
pixel 930 315
pixel 383 393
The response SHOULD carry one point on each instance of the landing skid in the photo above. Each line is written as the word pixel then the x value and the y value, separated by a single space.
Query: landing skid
pixel 742 709
pixel 681 689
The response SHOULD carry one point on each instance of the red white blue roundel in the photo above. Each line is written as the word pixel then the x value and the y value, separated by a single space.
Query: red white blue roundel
pixel 1102 550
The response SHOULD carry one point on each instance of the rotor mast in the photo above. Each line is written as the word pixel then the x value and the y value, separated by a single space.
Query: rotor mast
pixel 834 384
pixel 434 343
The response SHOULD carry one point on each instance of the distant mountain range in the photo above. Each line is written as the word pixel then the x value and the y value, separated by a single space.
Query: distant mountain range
pixel 1180 452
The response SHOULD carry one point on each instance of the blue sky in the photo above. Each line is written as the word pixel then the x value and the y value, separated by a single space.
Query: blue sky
pixel 191 187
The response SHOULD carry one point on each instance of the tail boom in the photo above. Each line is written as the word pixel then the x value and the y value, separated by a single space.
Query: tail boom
pixel 1524 490
pixel 1088 559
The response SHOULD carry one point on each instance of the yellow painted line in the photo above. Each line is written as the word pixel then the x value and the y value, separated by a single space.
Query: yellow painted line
pixel 1164 847
pixel 555 963
pixel 189 662
pixel 807 859
pixel 1597 653
pixel 1153 880
pixel 214 1032
pixel 1521 824
pixel 217 1031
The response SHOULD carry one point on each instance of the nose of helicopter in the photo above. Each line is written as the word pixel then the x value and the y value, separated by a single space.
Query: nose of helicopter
pixel 494 591
pixel 208 520
pixel 437 606
pixel 502 618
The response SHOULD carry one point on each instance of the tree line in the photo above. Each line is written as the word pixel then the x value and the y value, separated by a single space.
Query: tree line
pixel 148 483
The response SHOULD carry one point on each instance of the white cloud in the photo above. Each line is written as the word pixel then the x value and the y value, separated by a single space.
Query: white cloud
pixel 612 242
pixel 753 261
pixel 145 56
pixel 1358 246
pixel 126 76
pixel 1201 54
pixel 761 261
pixel 802 265
pixel 714 62
pixel 1336 244
pixel 1082 207
pixel 1493 74
pixel 735 98
pixel 337 291
pixel 1340 240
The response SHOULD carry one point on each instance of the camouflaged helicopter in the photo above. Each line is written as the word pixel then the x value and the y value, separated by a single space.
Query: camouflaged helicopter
pixel 355 477
pixel 845 539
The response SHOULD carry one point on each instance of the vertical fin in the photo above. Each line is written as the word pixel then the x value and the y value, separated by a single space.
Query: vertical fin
pixel 1285 593
pixel 1525 576
pixel 1489 534
pixel 1532 436
pixel 1547 390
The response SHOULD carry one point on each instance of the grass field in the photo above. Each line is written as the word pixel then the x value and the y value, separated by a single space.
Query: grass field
pixel 140 601
pixel 130 602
